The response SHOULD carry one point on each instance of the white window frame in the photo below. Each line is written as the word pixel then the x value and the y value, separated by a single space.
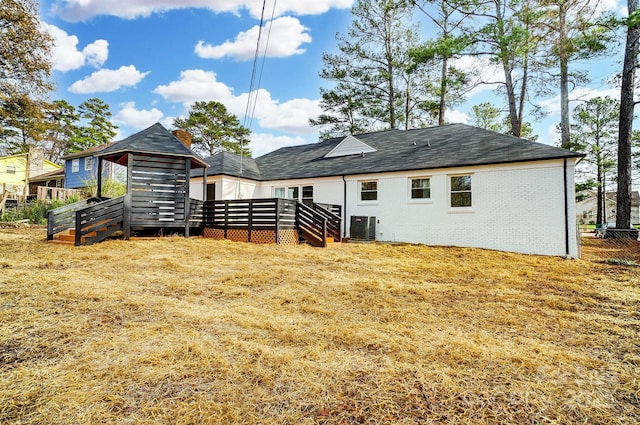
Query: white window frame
pixel 410 189
pixel 361 191
pixel 75 165
pixel 286 192
pixel 451 192
pixel 88 163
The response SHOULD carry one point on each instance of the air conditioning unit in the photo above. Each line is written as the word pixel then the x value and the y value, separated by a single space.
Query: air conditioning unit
pixel 363 228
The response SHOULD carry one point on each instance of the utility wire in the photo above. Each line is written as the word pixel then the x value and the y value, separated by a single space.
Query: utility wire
pixel 264 59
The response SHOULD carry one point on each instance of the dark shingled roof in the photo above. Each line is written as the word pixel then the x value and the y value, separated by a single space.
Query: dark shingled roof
pixel 229 164
pixel 447 146
pixel 88 152
pixel 153 140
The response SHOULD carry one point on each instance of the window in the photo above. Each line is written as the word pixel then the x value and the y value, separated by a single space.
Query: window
pixel 75 165
pixel 88 163
pixel 421 188
pixel 369 191
pixel 292 193
pixel 286 192
pixel 11 169
pixel 460 191
pixel 307 195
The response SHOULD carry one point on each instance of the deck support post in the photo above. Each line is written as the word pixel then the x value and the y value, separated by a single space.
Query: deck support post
pixel 99 185
pixel 187 204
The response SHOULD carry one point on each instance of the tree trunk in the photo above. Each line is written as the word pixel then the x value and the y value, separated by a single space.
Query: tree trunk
pixel 599 202
pixel 565 141
pixel 623 207
pixel 505 55
pixel 443 91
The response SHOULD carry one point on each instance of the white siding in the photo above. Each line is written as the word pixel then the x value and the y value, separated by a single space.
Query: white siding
pixel 226 187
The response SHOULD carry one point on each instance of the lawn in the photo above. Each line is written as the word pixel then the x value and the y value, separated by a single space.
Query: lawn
pixel 198 331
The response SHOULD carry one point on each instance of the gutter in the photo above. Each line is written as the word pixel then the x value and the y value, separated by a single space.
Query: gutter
pixel 566 210
pixel 344 212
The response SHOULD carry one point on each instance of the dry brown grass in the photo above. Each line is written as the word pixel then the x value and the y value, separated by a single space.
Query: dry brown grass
pixel 199 331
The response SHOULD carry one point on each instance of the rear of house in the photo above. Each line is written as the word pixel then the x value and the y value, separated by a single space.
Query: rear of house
pixel 451 185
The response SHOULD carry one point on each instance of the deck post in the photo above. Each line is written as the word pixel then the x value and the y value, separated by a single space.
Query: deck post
pixel 250 220
pixel 277 221
pixel 99 185
pixel 50 224
pixel 187 205
pixel 126 219
pixel 78 236
pixel 324 232
pixel 226 217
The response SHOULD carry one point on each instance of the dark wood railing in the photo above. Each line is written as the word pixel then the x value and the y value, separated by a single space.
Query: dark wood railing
pixel 63 218
pixel 333 221
pixel 311 225
pixel 196 213
pixel 98 221
pixel 251 214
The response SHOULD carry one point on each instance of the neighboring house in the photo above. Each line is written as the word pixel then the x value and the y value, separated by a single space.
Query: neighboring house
pixel 51 179
pixel 449 185
pixel 586 209
pixel 16 171
pixel 81 168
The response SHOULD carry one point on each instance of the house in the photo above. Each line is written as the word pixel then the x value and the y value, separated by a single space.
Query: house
pixel 587 208
pixel 17 171
pixel 453 185
pixel 81 169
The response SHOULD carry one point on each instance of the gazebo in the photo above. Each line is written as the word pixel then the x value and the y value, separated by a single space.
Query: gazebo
pixel 158 167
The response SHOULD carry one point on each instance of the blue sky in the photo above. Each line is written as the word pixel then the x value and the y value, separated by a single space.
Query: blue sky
pixel 151 59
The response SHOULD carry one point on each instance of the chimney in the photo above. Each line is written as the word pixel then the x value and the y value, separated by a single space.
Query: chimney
pixel 183 136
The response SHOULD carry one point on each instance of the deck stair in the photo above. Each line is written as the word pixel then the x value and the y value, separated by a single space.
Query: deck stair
pixel 316 225
pixel 86 222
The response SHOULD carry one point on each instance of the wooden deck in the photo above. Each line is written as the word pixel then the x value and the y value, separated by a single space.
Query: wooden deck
pixel 273 220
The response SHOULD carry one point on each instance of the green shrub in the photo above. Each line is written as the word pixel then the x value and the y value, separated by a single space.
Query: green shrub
pixel 110 188
pixel 34 211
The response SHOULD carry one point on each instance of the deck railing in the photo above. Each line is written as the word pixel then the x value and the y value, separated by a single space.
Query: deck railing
pixel 63 218
pixel 311 224
pixel 99 221
pixel 251 214
pixel 58 193
pixel 333 221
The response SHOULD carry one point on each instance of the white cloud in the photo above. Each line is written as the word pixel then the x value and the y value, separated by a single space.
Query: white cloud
pixel 137 118
pixel 194 85
pixel 455 116
pixel 65 53
pixel 262 143
pixel 286 36
pixel 96 53
pixel 198 85
pixel 108 80
pixel 79 10
pixel 580 94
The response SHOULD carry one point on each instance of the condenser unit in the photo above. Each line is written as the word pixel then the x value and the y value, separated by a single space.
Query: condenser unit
pixel 363 228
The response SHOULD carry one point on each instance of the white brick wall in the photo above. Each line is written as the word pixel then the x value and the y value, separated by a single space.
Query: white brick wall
pixel 515 207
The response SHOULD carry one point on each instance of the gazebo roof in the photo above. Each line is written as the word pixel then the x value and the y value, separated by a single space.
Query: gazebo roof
pixel 155 140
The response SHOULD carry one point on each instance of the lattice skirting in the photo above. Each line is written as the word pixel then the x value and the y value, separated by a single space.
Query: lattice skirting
pixel 287 236
pixel 213 233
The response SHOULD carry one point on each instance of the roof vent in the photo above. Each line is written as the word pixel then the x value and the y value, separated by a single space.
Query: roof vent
pixel 350 146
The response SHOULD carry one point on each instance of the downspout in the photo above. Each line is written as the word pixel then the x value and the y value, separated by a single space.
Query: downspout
pixel 566 210
pixel 344 212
